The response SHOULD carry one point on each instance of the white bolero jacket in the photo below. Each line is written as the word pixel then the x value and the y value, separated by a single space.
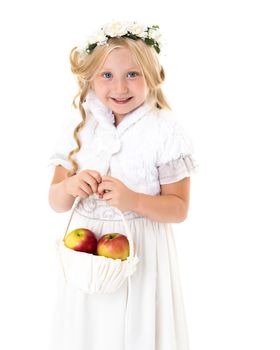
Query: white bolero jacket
pixel 147 149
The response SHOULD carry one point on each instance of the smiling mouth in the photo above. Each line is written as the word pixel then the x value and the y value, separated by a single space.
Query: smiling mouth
pixel 121 101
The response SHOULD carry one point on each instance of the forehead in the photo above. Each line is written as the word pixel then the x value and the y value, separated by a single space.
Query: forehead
pixel 120 57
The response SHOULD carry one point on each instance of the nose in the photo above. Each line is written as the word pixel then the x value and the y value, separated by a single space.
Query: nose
pixel 121 87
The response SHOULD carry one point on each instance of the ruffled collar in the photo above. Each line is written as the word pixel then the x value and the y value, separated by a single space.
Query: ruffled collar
pixel 103 115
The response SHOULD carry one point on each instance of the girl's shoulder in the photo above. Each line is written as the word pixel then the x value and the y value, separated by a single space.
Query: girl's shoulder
pixel 165 122
pixel 68 125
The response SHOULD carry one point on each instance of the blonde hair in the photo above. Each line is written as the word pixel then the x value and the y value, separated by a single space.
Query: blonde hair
pixel 85 67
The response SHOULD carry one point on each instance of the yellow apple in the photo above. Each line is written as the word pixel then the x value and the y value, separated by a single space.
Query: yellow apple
pixel 82 240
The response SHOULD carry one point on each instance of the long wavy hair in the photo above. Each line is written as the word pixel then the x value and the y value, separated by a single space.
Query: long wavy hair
pixel 85 68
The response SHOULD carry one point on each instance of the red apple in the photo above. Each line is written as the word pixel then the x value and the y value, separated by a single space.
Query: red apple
pixel 113 245
pixel 82 240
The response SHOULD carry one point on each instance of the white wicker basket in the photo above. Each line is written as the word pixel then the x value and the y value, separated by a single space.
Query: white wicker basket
pixel 92 273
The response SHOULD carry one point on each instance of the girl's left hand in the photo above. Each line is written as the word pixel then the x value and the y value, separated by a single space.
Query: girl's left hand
pixel 117 194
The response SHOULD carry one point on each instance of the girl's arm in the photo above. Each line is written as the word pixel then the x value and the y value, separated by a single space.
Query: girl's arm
pixel 171 206
pixel 64 190
pixel 59 200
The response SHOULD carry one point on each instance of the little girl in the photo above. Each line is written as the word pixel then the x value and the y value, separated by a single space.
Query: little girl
pixel 124 150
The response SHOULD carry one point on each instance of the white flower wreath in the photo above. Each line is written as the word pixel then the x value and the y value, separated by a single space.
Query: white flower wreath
pixel 133 30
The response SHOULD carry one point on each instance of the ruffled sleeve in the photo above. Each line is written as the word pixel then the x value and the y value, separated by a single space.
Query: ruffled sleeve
pixel 64 143
pixel 175 157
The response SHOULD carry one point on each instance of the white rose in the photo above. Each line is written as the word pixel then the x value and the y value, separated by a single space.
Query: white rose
pixel 115 28
pixel 100 38
pixel 82 49
pixel 90 40
pixel 155 34
pixel 137 29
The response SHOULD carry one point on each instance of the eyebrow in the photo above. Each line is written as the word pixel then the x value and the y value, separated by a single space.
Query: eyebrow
pixel 131 68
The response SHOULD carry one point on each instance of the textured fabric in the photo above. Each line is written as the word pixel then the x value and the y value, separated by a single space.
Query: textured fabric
pixel 147 149
pixel 142 151
pixel 177 169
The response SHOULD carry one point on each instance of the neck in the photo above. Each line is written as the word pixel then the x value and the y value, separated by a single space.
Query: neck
pixel 118 118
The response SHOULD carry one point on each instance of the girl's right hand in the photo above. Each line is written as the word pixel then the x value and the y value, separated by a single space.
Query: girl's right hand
pixel 83 184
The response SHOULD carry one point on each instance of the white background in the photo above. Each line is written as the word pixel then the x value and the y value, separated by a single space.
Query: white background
pixel 222 64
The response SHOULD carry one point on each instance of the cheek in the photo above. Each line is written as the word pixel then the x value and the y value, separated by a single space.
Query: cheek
pixel 141 86
pixel 99 86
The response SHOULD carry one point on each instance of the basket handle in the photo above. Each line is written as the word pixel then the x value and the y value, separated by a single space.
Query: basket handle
pixel 76 202
pixel 128 232
pixel 127 229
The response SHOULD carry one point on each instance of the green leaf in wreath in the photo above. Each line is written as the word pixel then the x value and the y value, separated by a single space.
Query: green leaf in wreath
pixel 149 41
pixel 132 36
pixel 157 48
pixel 91 47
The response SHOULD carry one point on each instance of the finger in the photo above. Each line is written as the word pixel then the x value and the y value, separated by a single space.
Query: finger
pixel 108 178
pixel 82 194
pixel 107 196
pixel 96 175
pixel 91 181
pixel 100 194
pixel 84 186
pixel 105 185
pixel 100 188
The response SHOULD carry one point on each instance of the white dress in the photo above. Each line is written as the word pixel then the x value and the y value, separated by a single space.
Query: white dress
pixel 147 149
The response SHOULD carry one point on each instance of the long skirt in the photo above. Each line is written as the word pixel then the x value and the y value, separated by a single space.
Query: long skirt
pixel 147 313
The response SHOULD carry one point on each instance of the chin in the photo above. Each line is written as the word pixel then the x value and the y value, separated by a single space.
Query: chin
pixel 125 109
pixel 121 109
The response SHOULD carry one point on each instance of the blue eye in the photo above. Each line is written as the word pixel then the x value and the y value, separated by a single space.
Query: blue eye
pixel 107 75
pixel 132 74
